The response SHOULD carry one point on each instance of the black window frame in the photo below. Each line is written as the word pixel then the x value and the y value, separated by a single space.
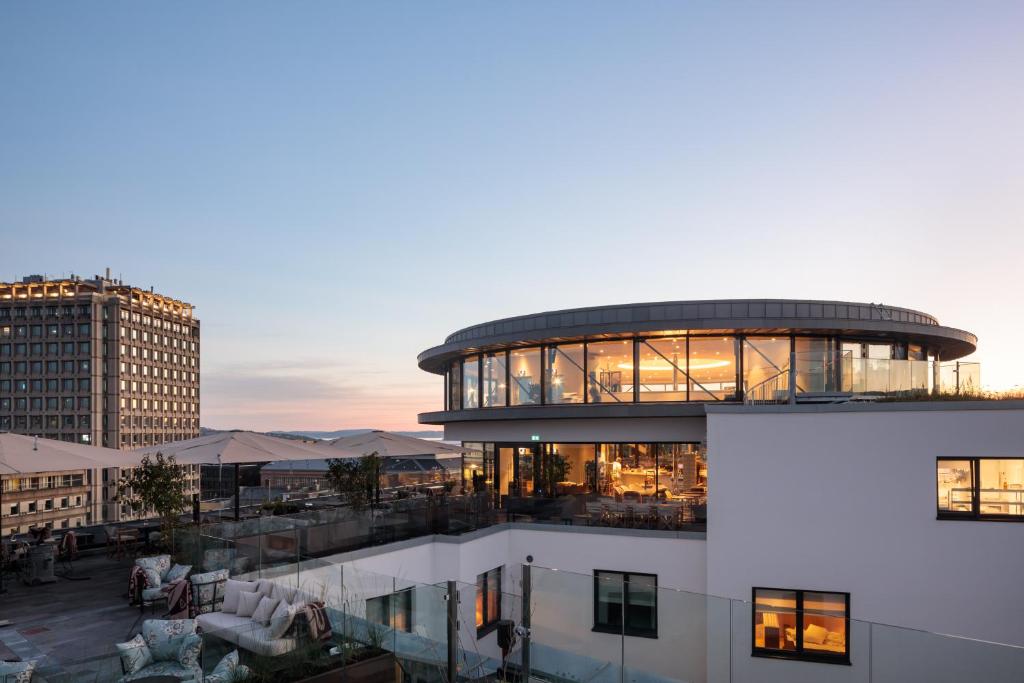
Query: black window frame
pixel 624 629
pixel 490 621
pixel 798 654
pixel 974 514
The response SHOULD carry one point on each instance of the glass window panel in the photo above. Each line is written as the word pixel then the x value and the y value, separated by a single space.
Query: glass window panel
pixel 813 364
pixel 764 358
pixel 1001 486
pixel 609 589
pixel 610 371
pixel 824 623
pixel 712 368
pixel 480 590
pixel 564 373
pixel 955 487
pixel 573 468
pixel 662 369
pixel 471 382
pixel 524 473
pixel 775 619
pixel 494 380
pixel 473 468
pixel 524 377
pixel 455 386
pixel 681 470
pixel 641 603
pixel 494 595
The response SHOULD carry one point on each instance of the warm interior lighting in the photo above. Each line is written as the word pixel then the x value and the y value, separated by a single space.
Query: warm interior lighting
pixel 660 366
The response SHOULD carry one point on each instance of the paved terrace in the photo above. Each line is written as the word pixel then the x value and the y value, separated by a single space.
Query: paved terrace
pixel 70 625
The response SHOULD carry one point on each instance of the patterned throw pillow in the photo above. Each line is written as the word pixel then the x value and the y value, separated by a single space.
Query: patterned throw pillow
pixel 206 587
pixel 135 654
pixel 164 636
pixel 152 578
pixel 177 573
pixel 189 650
pixel 161 563
pixel 227 670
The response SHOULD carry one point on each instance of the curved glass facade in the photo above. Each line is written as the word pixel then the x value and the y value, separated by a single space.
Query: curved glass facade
pixel 662 368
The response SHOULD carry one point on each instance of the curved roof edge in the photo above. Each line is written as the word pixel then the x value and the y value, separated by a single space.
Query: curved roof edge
pixel 751 316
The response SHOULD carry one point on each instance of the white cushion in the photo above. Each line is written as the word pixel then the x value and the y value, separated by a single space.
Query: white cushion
pixel 247 603
pixel 815 634
pixel 283 617
pixel 265 587
pixel 258 640
pixel 224 625
pixel 265 610
pixel 231 590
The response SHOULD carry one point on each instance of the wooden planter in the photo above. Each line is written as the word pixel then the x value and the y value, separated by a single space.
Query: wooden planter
pixel 381 668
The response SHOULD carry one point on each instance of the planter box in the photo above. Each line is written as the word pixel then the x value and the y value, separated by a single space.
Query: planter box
pixel 379 669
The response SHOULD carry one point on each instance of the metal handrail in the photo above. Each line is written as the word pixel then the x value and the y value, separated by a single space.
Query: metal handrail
pixel 768 390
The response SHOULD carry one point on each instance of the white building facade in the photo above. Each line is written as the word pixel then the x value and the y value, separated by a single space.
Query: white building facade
pixel 738 511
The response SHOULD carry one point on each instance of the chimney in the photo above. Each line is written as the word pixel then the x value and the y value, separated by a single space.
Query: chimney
pixel 107 277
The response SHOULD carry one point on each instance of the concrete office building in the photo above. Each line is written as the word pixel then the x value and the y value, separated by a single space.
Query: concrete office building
pixel 96 361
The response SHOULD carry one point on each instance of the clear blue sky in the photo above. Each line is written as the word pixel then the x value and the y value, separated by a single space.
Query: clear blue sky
pixel 337 186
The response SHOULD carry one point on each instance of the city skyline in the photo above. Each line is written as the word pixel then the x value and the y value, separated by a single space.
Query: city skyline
pixel 337 189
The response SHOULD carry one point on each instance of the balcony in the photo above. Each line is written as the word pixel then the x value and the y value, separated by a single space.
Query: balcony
pixel 824 379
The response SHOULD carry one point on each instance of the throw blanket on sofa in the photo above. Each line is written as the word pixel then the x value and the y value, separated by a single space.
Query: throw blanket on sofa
pixel 319 623
pixel 136 583
pixel 179 601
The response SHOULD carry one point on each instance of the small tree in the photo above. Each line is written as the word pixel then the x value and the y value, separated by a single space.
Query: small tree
pixel 156 486
pixel 356 479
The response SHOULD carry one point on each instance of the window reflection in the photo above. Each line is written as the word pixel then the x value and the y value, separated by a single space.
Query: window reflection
pixel 564 373
pixel 1001 487
pixel 524 377
pixel 955 479
pixel 572 468
pixel 764 358
pixel 712 368
pixel 471 382
pixel 610 372
pixel 662 369
pixel 455 386
pixel 774 617
pixel 494 367
pixel 813 364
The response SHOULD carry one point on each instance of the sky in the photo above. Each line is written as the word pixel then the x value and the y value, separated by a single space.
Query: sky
pixel 337 186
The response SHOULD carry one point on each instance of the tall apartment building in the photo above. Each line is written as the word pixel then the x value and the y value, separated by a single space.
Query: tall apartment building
pixel 96 361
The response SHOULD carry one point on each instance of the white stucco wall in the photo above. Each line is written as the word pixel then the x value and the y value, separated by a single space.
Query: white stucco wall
pixel 846 501
pixel 563 604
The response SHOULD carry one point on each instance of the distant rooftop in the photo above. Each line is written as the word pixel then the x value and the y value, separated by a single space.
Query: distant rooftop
pixel 44 288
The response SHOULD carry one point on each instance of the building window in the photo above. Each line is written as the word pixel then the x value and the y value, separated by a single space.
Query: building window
pixel 980 488
pixel 524 377
pixel 494 384
pixel 563 373
pixel 471 382
pixel 610 372
pixel 393 611
pixel 488 601
pixel 797 624
pixel 626 603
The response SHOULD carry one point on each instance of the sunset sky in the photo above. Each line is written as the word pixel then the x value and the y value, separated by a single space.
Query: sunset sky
pixel 336 187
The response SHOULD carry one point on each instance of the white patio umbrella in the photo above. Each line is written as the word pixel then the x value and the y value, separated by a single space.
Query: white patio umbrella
pixel 236 448
pixel 392 445
pixel 20 454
